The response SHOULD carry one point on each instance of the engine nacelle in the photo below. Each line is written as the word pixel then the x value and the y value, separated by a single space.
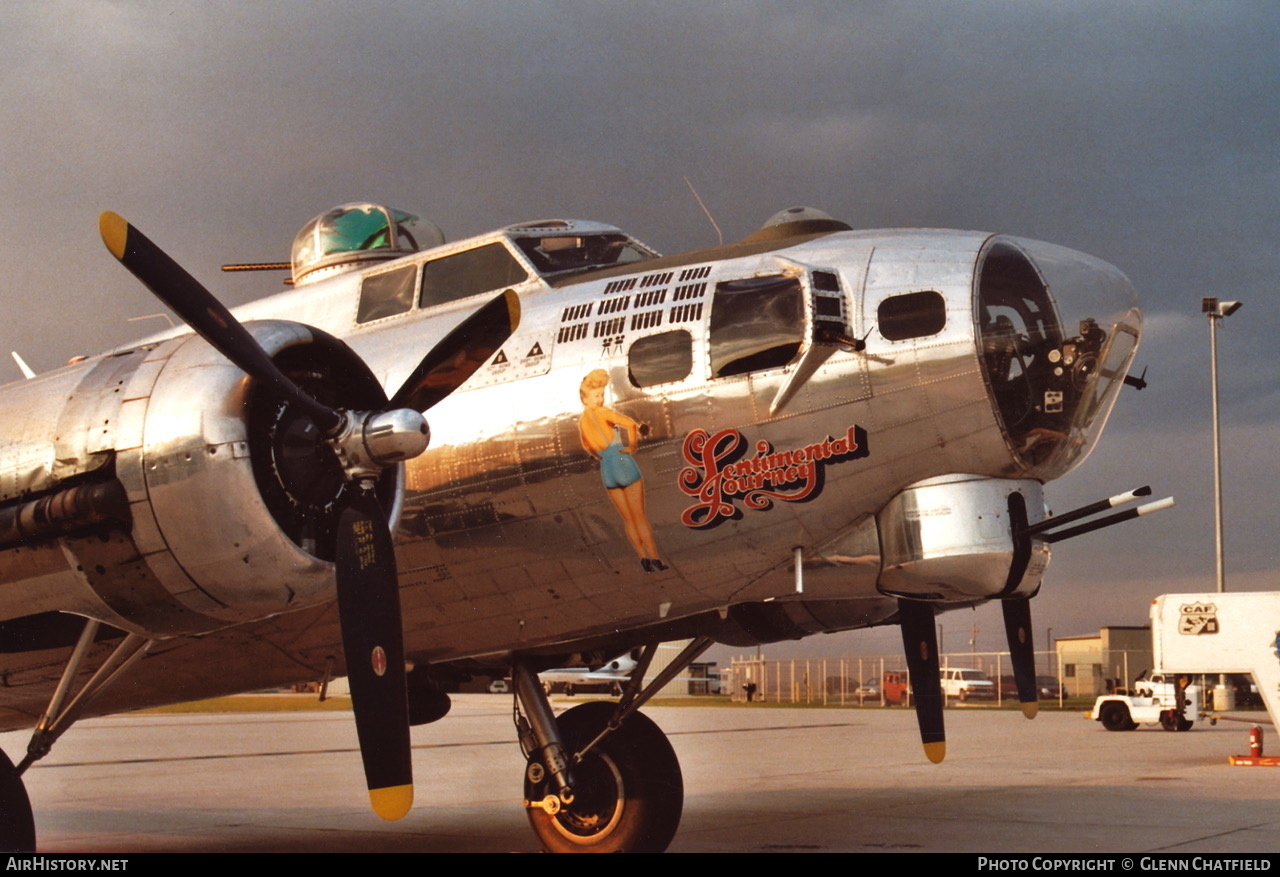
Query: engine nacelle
pixel 232 496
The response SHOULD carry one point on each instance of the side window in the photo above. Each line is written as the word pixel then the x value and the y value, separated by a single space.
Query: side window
pixel 913 315
pixel 661 358
pixel 756 324
pixel 386 294
pixel 468 273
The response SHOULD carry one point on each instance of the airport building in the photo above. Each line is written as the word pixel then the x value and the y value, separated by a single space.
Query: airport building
pixel 1100 663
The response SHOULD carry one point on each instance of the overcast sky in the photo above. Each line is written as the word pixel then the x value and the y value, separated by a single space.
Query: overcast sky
pixel 1143 133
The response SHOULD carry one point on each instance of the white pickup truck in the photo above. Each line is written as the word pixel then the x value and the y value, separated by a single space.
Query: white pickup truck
pixel 1158 698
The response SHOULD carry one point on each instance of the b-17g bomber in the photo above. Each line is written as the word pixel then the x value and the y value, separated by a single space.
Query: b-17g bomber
pixel 812 429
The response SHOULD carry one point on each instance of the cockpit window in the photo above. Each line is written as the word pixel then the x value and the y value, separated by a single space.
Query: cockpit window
pixel 756 324
pixel 914 315
pixel 661 358
pixel 469 273
pixel 553 254
pixel 386 294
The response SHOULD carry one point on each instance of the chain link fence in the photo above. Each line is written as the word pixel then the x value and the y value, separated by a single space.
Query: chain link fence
pixel 885 680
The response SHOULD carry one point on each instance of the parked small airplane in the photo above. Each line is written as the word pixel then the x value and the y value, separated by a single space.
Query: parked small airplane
pixel 813 429
pixel 610 676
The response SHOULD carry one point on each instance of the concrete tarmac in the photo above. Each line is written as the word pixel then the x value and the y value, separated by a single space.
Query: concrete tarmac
pixel 757 779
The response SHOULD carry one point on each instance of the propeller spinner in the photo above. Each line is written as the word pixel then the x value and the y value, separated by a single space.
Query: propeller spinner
pixel 364 443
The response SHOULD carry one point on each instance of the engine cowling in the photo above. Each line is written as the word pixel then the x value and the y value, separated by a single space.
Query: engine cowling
pixel 230 489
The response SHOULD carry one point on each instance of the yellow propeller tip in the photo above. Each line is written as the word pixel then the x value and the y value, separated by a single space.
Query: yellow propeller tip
pixel 114 231
pixel 1030 709
pixel 391 802
pixel 513 308
pixel 935 752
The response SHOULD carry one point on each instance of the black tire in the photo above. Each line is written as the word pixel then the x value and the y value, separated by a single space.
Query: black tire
pixel 628 791
pixel 17 825
pixel 1115 717
pixel 1172 722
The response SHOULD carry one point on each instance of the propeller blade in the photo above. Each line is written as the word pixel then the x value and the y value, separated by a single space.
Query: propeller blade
pixel 373 642
pixel 459 354
pixel 1017 627
pixel 197 307
pixel 920 642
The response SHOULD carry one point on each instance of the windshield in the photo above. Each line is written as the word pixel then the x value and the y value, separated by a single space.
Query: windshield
pixel 554 254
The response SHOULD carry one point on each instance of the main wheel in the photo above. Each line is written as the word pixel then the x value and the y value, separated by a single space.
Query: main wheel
pixel 17 825
pixel 1115 717
pixel 1170 721
pixel 628 791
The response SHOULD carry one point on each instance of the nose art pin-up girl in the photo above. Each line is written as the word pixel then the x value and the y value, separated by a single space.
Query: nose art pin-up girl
pixel 612 438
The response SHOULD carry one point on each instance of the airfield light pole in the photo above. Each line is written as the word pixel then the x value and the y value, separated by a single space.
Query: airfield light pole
pixel 1216 310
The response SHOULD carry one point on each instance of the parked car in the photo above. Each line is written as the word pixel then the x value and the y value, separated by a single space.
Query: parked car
pixel 869 690
pixel 1046 685
pixel 965 683
pixel 1050 687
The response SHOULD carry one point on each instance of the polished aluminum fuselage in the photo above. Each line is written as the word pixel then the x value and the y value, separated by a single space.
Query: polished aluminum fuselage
pixel 507 538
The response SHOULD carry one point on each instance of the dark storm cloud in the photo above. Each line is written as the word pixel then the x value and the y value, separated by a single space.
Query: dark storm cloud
pixel 1143 133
